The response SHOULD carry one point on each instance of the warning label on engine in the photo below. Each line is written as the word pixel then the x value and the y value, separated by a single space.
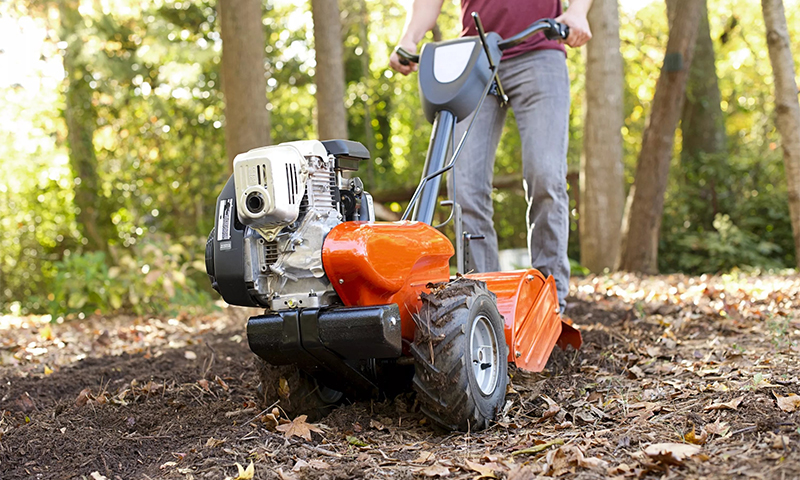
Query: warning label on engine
pixel 224 219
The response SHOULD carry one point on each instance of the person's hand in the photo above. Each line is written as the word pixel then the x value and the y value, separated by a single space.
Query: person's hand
pixel 579 32
pixel 394 60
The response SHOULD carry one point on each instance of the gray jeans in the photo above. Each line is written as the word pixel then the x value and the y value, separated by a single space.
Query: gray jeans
pixel 537 85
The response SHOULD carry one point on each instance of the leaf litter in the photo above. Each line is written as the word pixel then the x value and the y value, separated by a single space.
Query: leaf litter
pixel 695 375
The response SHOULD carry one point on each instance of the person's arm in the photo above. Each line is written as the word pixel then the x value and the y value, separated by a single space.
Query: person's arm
pixel 575 19
pixel 420 19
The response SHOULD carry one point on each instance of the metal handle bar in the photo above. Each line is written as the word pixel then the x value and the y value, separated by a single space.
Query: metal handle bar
pixel 552 30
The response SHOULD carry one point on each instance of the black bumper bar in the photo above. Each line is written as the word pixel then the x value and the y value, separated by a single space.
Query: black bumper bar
pixel 328 343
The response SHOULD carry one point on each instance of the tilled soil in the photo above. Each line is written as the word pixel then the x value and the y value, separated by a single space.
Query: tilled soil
pixel 709 380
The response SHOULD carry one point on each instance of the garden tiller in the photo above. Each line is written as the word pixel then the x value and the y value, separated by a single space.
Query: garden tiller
pixel 350 302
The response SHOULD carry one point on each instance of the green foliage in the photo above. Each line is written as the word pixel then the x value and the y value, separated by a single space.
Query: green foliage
pixel 154 277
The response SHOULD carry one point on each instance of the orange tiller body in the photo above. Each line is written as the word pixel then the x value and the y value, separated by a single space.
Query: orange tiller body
pixel 383 263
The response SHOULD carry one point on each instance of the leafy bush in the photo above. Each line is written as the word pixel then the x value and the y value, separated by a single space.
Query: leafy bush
pixel 153 277
pixel 725 247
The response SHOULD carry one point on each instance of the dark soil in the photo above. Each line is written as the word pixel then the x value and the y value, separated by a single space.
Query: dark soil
pixel 639 379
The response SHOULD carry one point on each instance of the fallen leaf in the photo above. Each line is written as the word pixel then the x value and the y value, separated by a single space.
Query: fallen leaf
pixel 299 428
pixel 283 388
pixel 318 465
pixel 539 448
pixel 203 384
pixel 214 442
pixel 434 470
pixel 245 473
pixel 635 372
pixel 780 442
pixel 270 422
pixel 424 457
pixel 551 411
pixel 692 437
pixel 299 465
pixel 83 397
pixel 717 428
pixel 732 405
pixel 221 383
pixel 47 370
pixel 485 470
pixel 671 453
pixel 376 425
pixel 286 475
pixel 789 403
pixel 46 332
pixel 355 441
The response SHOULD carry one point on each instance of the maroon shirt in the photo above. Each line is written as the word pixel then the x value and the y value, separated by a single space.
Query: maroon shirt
pixel 509 17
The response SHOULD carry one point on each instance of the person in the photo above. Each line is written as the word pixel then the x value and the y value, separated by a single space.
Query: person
pixel 535 79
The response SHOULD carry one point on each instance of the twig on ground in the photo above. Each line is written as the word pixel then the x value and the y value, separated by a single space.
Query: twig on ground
pixel 299 443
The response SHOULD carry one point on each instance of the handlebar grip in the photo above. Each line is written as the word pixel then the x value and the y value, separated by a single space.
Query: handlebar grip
pixel 557 31
pixel 406 57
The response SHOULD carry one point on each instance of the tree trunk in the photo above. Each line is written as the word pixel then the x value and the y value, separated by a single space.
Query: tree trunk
pixel 81 118
pixel 702 122
pixel 602 189
pixel 645 204
pixel 331 115
pixel 244 83
pixel 787 106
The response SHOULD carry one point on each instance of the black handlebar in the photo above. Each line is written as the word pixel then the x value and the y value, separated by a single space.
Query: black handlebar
pixel 406 57
pixel 552 31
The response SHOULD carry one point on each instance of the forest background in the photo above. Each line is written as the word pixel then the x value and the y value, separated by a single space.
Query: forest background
pixel 113 143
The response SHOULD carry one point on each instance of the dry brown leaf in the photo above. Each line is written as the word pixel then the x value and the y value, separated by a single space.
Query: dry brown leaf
pixel 221 383
pixel 434 470
pixel 732 405
pixel 424 457
pixel 203 384
pixel 485 470
pixel 692 437
pixel 286 475
pixel 83 397
pixel 318 465
pixel 780 442
pixel 376 425
pixel 671 453
pixel 551 411
pixel 299 428
pixel 270 422
pixel 789 403
pixel 214 442
pixel 718 428
pixel 299 465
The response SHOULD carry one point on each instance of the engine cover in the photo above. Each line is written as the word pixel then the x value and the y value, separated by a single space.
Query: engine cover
pixel 272 219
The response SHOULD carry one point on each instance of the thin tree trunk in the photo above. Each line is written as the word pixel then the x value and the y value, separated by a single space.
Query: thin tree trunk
pixel 244 82
pixel 702 122
pixel 787 106
pixel 81 118
pixel 602 189
pixel 645 204
pixel 331 115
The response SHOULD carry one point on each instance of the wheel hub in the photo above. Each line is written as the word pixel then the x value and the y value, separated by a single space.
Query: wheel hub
pixel 484 355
